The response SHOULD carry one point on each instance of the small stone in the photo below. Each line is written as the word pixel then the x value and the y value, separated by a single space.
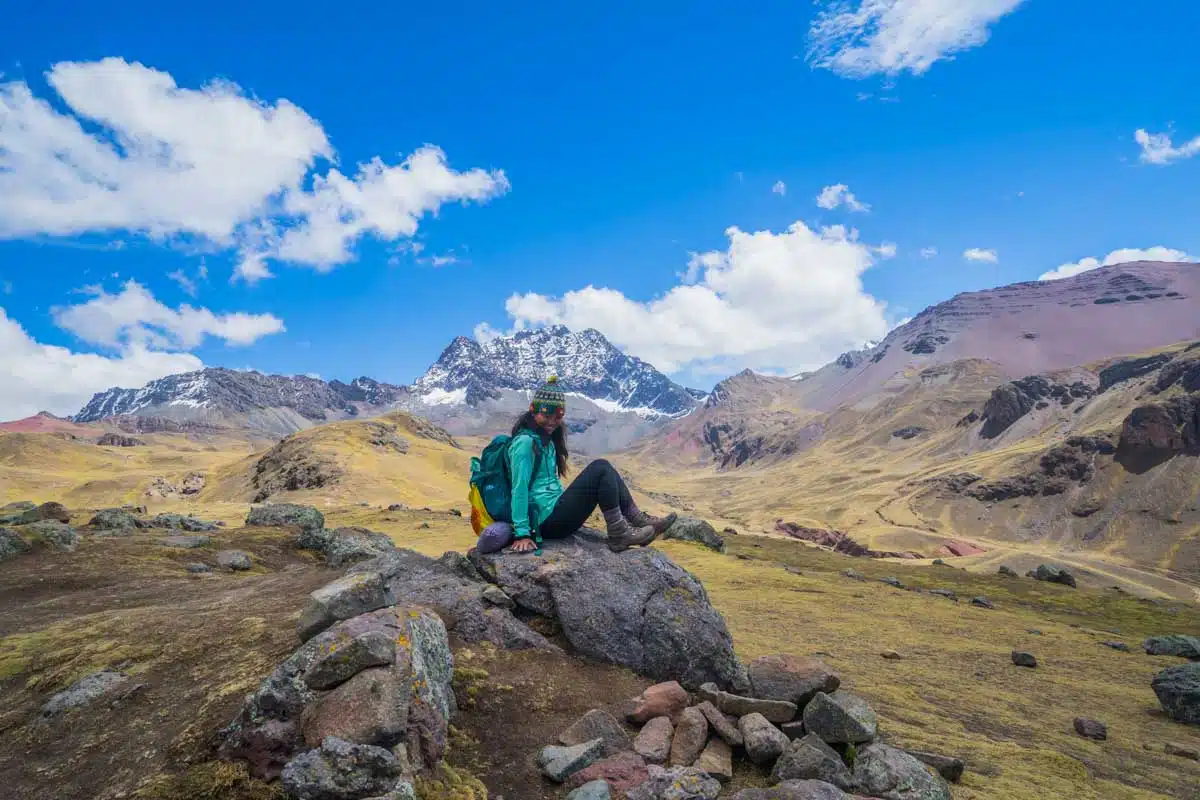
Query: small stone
pixel 982 602
pixel 1050 574
pixel 840 718
pixel 597 724
pixel 235 560
pixel 677 783
pixel 339 770
pixel 691 733
pixel 892 580
pixel 946 593
pixel 596 790
pixel 1034 632
pixel 1183 752
pixel 763 741
pixel 560 763
pixel 497 597
pixel 654 742
pixel 346 597
pixel 187 542
pixel 948 767
pixel 1023 659
pixel 891 655
pixel 1008 571
pixel 853 574
pixel 621 773
pixel 196 568
pixel 716 760
pixel 722 724
pixel 660 700
pixel 809 758
pixel 1124 648
pixel 738 706
pixel 1091 729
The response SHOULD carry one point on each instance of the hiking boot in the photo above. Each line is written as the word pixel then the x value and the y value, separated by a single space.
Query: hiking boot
pixel 640 519
pixel 622 535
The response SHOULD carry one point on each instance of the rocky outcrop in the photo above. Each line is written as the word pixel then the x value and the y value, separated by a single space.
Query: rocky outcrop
pixel 1182 371
pixel 290 466
pixel 1011 401
pixel 838 541
pixel 192 484
pixel 27 515
pixel 637 608
pixel 908 432
pixel 12 544
pixel 1059 468
pixel 1157 432
pixel 379 679
pixel 1127 369
pixel 309 521
pixel 1177 644
pixel 118 440
pixel 1051 574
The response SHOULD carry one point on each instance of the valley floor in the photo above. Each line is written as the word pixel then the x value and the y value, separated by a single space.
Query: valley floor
pixel 196 645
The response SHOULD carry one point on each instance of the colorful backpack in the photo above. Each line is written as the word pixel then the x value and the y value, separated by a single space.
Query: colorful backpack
pixel 490 492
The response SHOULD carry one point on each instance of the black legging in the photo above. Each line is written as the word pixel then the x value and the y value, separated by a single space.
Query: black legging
pixel 598 485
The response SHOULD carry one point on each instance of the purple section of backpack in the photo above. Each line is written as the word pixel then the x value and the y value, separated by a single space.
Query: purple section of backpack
pixel 495 537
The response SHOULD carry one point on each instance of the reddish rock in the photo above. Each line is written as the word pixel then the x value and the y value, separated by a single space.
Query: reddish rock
pixel 370 708
pixel 623 772
pixel 660 700
pixel 795 679
pixel 691 734
pixel 654 742
pixel 956 547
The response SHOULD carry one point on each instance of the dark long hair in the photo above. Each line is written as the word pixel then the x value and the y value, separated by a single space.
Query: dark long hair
pixel 559 437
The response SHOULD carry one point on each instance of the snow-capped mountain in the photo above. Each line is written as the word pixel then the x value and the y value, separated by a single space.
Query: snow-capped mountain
pixel 585 362
pixel 218 394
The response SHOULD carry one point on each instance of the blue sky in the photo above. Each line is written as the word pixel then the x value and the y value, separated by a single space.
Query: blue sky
pixel 606 147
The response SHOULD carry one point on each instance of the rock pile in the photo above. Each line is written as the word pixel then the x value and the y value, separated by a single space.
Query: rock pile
pixel 817 740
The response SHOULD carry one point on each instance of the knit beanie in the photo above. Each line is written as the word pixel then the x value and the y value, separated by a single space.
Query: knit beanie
pixel 550 395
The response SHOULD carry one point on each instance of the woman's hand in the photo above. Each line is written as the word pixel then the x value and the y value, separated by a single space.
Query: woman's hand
pixel 523 545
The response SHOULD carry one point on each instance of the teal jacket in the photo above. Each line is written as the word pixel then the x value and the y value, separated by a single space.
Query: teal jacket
pixel 533 496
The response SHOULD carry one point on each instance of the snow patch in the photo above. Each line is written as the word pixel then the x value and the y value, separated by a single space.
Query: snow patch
pixel 441 397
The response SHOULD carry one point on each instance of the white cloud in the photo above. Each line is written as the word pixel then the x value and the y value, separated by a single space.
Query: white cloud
pixel 779 188
pixel 43 377
pixel 929 252
pixel 135 319
pixel 833 196
pixel 442 261
pixel 978 254
pixel 211 165
pixel 885 250
pixel 771 301
pixel 1157 148
pixel 1122 256
pixel 861 38
pixel 185 283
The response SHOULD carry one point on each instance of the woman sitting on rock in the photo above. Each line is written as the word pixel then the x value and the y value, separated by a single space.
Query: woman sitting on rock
pixel 542 509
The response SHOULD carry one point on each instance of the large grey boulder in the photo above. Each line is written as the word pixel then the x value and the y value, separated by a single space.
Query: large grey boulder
pixel 12 544
pixel 182 522
pixel 1178 690
pixel 341 770
pixel 235 560
pixel 764 742
pixel 309 520
pixel 637 609
pixel 885 772
pixel 458 593
pixel 1051 574
pixel 690 529
pixel 1176 644
pixel 840 718
pixel 407 700
pixel 810 758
